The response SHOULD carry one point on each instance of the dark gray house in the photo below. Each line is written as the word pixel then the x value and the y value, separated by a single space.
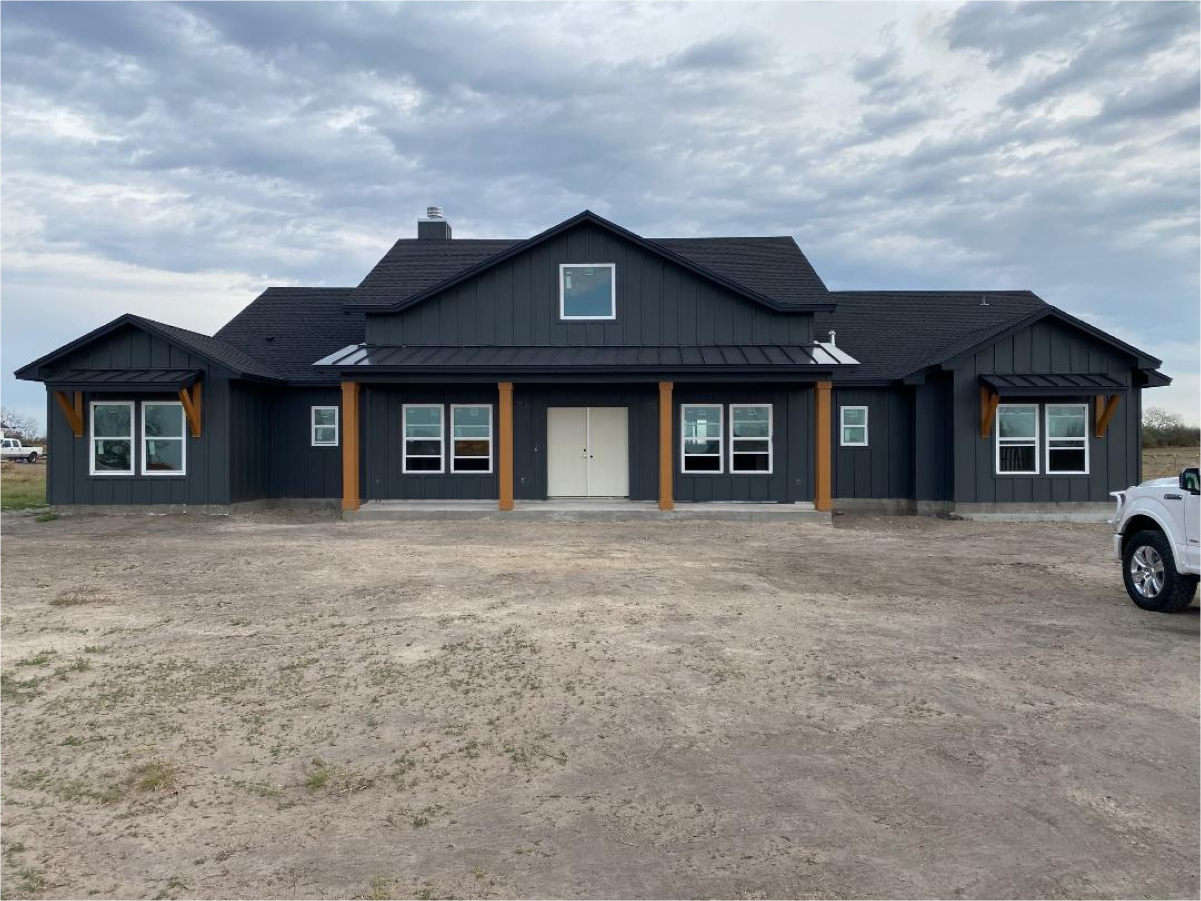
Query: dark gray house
pixel 588 361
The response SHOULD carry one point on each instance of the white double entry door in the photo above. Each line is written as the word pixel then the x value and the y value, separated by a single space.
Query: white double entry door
pixel 588 452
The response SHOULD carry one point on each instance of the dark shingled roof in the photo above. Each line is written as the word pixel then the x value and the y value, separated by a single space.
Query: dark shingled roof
pixel 290 328
pixel 214 348
pixel 896 333
pixel 773 267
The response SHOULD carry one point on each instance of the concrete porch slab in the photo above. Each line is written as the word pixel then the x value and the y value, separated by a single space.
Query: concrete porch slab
pixel 582 511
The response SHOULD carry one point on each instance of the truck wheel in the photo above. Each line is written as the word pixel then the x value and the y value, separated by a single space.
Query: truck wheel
pixel 33 458
pixel 1149 571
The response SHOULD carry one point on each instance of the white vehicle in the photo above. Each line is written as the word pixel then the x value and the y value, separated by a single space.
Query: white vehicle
pixel 1156 538
pixel 13 449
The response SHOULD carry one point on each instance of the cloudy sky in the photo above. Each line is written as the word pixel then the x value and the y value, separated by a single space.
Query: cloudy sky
pixel 173 160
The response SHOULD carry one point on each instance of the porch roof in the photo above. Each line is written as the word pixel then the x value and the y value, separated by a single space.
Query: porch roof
pixel 123 379
pixel 1053 383
pixel 516 361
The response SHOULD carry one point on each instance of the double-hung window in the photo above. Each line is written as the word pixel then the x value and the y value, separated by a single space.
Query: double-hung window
pixel 471 438
pixel 588 291
pixel 852 426
pixel 324 427
pixel 701 438
pixel 163 444
pixel 751 438
pixel 1067 438
pixel 1017 439
pixel 423 438
pixel 111 452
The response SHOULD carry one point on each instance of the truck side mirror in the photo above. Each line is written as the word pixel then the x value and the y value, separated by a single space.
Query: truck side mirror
pixel 1190 481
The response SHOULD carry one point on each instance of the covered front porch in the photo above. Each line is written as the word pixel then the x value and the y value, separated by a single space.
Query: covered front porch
pixel 586 432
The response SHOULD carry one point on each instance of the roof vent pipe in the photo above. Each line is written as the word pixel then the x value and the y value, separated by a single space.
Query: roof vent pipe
pixel 434 226
pixel 984 301
pixel 832 334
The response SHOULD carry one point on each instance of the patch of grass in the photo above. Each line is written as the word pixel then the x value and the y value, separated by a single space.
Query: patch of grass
pixel 336 780
pixel 420 821
pixel 95 648
pixel 32 882
pixel 381 889
pixel 74 597
pixel 46 517
pixel 39 659
pixel 155 776
pixel 259 789
pixel 66 789
pixel 73 741
pixel 78 665
pixel 18 691
pixel 22 486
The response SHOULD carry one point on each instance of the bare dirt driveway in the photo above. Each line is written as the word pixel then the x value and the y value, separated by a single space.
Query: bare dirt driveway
pixel 287 707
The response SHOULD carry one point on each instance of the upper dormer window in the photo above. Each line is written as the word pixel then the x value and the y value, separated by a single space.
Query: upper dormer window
pixel 588 291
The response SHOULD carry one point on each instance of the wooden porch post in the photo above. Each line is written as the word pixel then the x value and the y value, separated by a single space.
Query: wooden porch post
pixel 350 446
pixel 505 450
pixel 821 437
pixel 666 443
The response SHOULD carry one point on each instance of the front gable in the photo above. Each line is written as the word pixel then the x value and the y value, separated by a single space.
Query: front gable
pixel 659 300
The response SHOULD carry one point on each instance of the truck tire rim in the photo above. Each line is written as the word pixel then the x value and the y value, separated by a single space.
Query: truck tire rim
pixel 1146 571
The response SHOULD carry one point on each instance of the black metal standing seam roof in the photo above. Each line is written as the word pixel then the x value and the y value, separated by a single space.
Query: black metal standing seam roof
pixel 515 358
pixel 1053 383
pixel 124 379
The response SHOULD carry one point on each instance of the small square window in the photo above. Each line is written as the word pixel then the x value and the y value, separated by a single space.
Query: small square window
pixel 853 426
pixel 588 291
pixel 325 427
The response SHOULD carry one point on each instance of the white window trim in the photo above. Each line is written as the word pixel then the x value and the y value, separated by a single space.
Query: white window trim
pixel 313 426
pixel 1084 442
pixel 1020 442
pixel 182 439
pixel 612 292
pixel 491 446
pixel 721 439
pixel 92 438
pixel 405 439
pixel 771 442
pixel 843 425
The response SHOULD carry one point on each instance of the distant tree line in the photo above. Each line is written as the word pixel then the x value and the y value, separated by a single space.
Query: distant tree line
pixel 1164 429
pixel 19 425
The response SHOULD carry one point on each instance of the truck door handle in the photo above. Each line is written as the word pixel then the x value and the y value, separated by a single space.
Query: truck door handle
pixel 1173 497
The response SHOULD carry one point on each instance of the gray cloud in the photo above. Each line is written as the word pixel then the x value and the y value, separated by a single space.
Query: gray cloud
pixel 177 157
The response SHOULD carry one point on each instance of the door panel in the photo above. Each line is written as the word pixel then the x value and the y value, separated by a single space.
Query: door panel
pixel 566 457
pixel 608 452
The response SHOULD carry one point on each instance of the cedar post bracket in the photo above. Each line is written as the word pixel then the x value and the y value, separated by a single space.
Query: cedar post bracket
pixel 505 450
pixel 191 408
pixel 1105 410
pixel 823 493
pixel 73 410
pixel 988 410
pixel 666 443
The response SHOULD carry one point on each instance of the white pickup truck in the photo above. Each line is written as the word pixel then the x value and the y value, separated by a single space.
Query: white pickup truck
pixel 13 449
pixel 1156 538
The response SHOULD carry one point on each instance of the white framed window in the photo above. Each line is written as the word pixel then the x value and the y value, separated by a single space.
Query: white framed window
pixel 701 438
pixel 471 438
pixel 852 426
pixel 1017 439
pixel 424 439
pixel 751 438
pixel 324 426
pixel 588 291
pixel 111 452
pixel 1067 438
pixel 164 449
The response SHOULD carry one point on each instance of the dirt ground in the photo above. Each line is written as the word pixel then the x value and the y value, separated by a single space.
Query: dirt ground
pixel 274 706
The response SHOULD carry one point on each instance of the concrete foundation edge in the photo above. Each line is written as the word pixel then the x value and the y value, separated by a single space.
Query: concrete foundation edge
pixel 324 505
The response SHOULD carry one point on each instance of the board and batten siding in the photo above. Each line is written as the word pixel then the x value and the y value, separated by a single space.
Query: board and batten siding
pixel 1046 346
pixel 792 476
pixel 658 303
pixel 68 479
pixel 883 469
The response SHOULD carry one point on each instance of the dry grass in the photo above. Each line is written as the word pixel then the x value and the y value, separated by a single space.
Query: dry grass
pixel 22 485
pixel 1159 462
